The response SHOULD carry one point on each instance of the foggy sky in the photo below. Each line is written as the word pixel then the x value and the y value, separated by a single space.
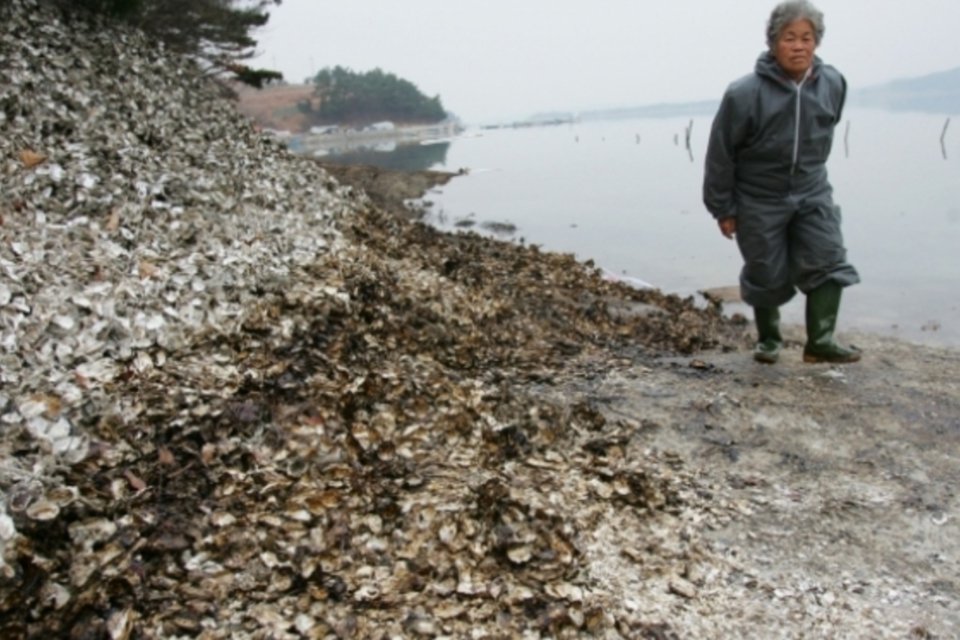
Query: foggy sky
pixel 491 60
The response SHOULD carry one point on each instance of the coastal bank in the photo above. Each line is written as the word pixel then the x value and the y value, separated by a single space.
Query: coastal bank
pixel 242 397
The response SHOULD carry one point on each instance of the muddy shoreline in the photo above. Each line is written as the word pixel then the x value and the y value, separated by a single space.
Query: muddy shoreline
pixel 399 192
pixel 823 498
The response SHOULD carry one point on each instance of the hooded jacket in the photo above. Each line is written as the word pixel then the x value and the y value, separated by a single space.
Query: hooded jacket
pixel 772 136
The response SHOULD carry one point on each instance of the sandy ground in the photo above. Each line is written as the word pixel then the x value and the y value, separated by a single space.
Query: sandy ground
pixel 832 489
pixel 275 107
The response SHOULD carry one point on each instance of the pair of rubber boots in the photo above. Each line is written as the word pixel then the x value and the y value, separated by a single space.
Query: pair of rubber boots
pixel 823 304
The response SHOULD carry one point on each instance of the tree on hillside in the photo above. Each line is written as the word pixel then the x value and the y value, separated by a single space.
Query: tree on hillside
pixel 217 32
pixel 342 95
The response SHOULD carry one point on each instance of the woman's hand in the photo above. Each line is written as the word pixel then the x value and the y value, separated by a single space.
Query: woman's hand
pixel 728 227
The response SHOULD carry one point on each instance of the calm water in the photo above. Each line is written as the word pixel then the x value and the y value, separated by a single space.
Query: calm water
pixel 626 194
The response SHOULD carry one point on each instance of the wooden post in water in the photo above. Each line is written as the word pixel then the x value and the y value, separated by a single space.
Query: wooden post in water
pixel 686 139
pixel 943 138
pixel 846 141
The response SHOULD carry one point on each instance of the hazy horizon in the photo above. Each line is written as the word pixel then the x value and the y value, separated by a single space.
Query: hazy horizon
pixel 498 60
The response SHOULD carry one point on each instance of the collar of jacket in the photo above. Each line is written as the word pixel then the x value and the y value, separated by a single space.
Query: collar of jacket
pixel 768 67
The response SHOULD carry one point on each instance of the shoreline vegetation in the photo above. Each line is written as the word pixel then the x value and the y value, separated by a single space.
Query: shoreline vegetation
pixel 246 395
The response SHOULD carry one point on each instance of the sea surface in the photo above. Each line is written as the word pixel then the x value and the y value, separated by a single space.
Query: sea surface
pixel 626 194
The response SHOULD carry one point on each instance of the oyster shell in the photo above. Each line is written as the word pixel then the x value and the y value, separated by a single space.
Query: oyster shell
pixel 43 510
pixel 241 400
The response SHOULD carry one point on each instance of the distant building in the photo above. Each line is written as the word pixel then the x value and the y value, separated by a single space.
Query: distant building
pixel 283 134
pixel 323 130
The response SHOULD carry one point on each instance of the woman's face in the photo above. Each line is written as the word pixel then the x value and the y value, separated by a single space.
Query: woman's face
pixel 794 48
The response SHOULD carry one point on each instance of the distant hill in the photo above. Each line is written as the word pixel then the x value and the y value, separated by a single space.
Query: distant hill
pixel 934 93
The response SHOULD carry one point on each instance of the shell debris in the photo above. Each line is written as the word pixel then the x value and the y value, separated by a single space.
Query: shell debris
pixel 240 400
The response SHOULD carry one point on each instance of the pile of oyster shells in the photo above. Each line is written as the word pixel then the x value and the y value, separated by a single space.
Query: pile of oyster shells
pixel 238 400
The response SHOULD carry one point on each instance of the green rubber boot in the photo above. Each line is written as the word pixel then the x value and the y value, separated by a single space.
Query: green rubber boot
pixel 769 340
pixel 823 304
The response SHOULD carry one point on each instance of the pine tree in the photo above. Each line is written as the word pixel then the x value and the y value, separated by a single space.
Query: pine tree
pixel 216 32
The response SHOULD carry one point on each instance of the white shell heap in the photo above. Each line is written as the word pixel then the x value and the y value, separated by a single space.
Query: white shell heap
pixel 139 212
pixel 237 400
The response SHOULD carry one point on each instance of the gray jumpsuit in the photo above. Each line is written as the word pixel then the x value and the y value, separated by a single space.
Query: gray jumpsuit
pixel 766 166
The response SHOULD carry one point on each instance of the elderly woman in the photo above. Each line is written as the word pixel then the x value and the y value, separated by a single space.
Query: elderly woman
pixel 766 183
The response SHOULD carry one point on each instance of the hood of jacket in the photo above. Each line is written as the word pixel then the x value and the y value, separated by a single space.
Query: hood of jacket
pixel 768 67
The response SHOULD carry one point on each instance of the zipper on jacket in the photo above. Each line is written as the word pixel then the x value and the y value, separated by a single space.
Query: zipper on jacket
pixel 796 129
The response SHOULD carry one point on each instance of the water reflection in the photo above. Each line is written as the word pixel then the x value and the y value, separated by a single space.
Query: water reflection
pixel 404 157
pixel 688 131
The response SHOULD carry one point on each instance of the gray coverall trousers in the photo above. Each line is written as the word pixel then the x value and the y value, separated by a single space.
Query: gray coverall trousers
pixel 788 244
